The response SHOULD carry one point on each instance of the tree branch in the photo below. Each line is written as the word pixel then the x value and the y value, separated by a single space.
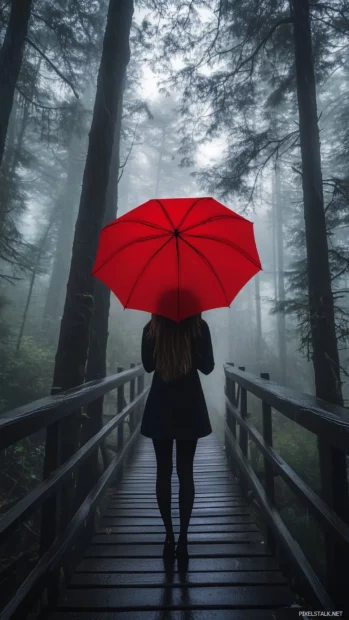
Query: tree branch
pixel 39 105
pixel 53 66
pixel 287 20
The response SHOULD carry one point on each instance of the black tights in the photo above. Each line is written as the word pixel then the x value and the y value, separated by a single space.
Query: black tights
pixel 185 452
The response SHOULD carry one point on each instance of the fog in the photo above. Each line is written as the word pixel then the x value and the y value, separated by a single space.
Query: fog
pixel 150 168
pixel 103 109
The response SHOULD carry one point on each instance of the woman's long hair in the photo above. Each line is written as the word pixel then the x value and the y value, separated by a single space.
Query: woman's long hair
pixel 173 344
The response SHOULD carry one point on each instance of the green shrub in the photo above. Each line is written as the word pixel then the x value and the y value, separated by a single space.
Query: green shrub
pixel 27 377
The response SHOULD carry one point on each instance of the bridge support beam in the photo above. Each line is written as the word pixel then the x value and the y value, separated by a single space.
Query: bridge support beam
pixel 243 435
pixel 334 490
pixel 268 468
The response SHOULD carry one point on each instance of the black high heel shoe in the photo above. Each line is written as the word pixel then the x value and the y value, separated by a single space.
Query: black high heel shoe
pixel 169 549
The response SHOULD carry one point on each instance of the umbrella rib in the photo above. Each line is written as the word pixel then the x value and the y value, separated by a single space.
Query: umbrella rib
pixel 164 210
pixel 213 219
pixel 145 223
pixel 203 257
pixel 145 267
pixel 228 243
pixel 191 208
pixel 127 246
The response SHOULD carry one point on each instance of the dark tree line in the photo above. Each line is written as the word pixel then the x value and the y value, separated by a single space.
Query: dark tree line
pixel 268 55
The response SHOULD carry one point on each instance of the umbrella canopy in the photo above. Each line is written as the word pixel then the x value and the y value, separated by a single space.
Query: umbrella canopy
pixel 177 256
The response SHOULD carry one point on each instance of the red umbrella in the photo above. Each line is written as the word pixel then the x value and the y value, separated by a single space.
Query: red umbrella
pixel 177 256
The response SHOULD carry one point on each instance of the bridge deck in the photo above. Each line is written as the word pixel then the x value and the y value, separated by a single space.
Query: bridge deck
pixel 231 572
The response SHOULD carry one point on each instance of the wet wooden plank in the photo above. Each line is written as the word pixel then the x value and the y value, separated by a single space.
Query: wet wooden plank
pixel 134 497
pixel 199 477
pixel 209 512
pixel 209 469
pixel 214 468
pixel 147 538
pixel 134 505
pixel 200 495
pixel 196 564
pixel 195 529
pixel 231 573
pixel 150 487
pixel 195 550
pixel 216 520
pixel 195 614
pixel 175 596
pixel 192 578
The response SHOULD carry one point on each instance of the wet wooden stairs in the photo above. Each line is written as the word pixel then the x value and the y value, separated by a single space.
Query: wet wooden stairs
pixel 231 572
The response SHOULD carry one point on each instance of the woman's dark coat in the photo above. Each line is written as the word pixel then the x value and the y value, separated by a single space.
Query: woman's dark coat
pixel 177 409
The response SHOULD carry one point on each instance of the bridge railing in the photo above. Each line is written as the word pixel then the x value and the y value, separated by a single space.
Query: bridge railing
pixel 330 424
pixel 52 413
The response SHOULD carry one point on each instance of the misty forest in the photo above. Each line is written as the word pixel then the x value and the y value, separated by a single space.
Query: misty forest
pixel 105 104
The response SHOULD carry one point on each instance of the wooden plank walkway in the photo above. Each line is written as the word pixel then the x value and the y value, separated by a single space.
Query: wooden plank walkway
pixel 231 573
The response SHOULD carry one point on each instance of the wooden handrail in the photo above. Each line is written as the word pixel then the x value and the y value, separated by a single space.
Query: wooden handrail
pixel 28 419
pixel 314 414
pixel 301 488
pixel 293 550
pixel 48 412
pixel 33 500
pixel 37 579
pixel 331 425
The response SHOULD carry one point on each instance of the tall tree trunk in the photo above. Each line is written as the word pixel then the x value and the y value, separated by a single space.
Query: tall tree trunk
pixel 9 235
pixel 123 205
pixel 9 166
pixel 249 318
pixel 281 319
pixel 17 151
pixel 97 356
pixel 16 132
pixel 11 159
pixel 27 304
pixel 6 174
pixel 128 184
pixel 325 358
pixel 321 305
pixel 239 330
pixel 36 266
pixel 11 138
pixel 67 207
pixel 259 336
pixel 275 282
pixel 73 342
pixel 11 56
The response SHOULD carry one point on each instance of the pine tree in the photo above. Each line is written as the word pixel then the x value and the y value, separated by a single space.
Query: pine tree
pixel 11 55
pixel 253 53
pixel 72 349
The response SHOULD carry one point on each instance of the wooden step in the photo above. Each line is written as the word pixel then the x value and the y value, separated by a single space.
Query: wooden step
pixel 231 573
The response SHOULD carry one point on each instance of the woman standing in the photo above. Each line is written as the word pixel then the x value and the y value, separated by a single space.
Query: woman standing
pixel 176 410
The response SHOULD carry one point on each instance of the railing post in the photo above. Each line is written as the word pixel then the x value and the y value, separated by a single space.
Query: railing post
pixel 132 397
pixel 334 491
pixel 268 468
pixel 243 411
pixel 243 437
pixel 120 406
pixel 140 388
pixel 231 395
pixel 230 420
pixel 51 508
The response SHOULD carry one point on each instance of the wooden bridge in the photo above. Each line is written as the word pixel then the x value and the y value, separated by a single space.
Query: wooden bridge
pixel 103 560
